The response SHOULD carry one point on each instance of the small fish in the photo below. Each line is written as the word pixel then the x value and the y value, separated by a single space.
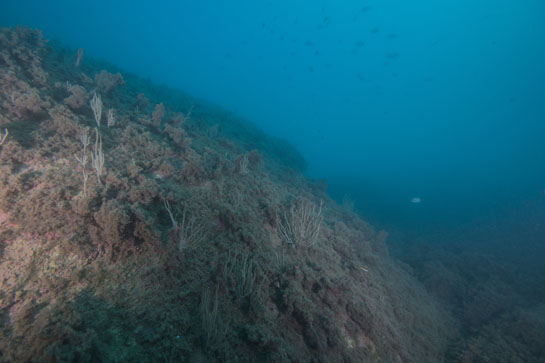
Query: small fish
pixel 416 200
pixel 325 23
pixel 435 42
pixel 364 79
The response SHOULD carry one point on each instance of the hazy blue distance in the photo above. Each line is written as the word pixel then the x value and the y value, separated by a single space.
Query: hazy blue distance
pixel 387 100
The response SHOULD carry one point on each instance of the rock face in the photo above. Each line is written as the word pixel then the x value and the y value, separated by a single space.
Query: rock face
pixel 175 254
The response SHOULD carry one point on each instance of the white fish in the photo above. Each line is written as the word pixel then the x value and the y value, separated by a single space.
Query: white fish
pixel 415 200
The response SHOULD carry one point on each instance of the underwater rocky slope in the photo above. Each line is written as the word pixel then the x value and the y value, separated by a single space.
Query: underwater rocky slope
pixel 138 224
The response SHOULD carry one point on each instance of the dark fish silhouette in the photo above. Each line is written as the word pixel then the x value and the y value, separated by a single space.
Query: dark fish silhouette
pixel 435 42
pixel 325 22
pixel 363 79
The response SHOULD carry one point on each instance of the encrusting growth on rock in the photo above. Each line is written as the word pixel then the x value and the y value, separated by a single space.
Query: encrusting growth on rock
pixel 183 250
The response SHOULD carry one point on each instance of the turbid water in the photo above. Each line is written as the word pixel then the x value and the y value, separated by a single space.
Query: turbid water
pixel 247 119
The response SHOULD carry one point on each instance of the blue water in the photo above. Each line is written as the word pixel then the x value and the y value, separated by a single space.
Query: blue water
pixel 425 117
pixel 387 100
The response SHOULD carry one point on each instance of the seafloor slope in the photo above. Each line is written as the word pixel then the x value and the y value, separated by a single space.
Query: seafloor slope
pixel 161 234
